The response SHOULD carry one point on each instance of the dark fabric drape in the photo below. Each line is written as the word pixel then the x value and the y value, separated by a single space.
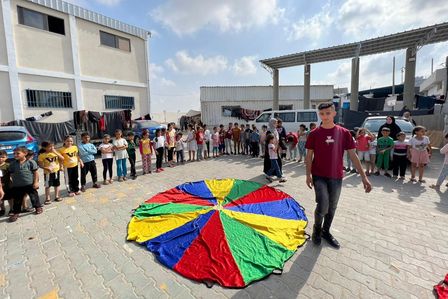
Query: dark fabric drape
pixel 46 131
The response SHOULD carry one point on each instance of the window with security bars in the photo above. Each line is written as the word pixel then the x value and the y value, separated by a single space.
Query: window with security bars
pixel 119 102
pixel 48 99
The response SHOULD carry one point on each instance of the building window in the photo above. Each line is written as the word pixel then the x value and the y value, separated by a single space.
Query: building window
pixel 231 111
pixel 119 102
pixel 48 99
pixel 115 41
pixel 285 107
pixel 41 21
pixel 286 117
pixel 306 117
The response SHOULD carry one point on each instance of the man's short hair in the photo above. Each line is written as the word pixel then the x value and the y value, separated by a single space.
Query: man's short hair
pixel 325 105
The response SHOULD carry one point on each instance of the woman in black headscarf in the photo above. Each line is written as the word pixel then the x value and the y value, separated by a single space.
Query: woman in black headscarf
pixel 392 125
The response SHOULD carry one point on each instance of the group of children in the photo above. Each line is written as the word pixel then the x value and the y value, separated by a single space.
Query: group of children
pixel 384 153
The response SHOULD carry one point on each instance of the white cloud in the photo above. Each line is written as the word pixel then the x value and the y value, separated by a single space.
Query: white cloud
pixel 186 17
pixel 155 75
pixel 311 28
pixel 108 2
pixel 364 18
pixel 245 65
pixel 184 63
pixel 167 83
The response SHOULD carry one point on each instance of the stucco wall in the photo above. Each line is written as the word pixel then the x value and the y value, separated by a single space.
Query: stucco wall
pixel 107 62
pixel 40 49
pixel 6 112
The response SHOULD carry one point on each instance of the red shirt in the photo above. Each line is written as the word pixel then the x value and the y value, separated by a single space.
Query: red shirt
pixel 200 137
pixel 362 143
pixel 329 146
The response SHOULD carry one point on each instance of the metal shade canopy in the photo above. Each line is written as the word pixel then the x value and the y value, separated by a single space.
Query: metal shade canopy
pixel 415 38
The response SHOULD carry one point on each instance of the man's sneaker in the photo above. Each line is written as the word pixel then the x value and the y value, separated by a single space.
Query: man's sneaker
pixel 330 239
pixel 83 188
pixel 316 236
pixel 283 179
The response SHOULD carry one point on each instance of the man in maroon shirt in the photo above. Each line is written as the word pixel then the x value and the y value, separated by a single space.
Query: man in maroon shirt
pixel 324 170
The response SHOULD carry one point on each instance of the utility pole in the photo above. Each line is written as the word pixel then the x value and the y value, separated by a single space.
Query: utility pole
pixel 393 76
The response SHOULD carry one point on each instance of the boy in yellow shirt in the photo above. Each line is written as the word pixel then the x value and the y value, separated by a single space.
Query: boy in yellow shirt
pixel 50 160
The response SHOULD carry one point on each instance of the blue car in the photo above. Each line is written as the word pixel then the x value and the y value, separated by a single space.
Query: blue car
pixel 14 136
pixel 139 125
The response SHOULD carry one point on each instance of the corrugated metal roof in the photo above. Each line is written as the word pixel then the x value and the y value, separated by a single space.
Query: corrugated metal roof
pixel 94 17
pixel 263 93
pixel 407 39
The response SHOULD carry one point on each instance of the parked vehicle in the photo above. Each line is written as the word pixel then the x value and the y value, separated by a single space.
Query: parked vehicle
pixel 291 119
pixel 139 125
pixel 14 136
pixel 373 124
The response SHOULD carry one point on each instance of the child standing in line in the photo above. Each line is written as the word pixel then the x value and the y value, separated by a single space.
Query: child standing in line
pixel 192 145
pixel 347 156
pixel 303 134
pixel 70 163
pixel 273 156
pixel 400 156
pixel 179 149
pixel 165 152
pixel 145 147
pixel 207 138
pixel 49 161
pixel 215 142
pixel 419 152
pixel 120 146
pixel 5 183
pixel 264 130
pixel 254 142
pixel 222 136
pixel 292 142
pixel 200 142
pixel 107 158
pixel 247 133
pixel 86 153
pixel 372 153
pixel 363 137
pixel 242 139
pixel 384 145
pixel 159 145
pixel 131 154
pixel 24 180
pixel 444 172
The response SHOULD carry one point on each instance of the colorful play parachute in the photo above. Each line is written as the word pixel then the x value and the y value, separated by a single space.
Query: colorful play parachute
pixel 228 231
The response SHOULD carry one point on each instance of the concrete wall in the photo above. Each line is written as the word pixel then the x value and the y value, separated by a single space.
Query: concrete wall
pixel 93 94
pixel 3 56
pixel 40 49
pixel 103 61
pixel 6 112
pixel 46 83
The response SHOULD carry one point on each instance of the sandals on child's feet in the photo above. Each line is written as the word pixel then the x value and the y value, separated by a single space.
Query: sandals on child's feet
pixel 13 217
pixel 422 181
pixel 47 202
pixel 39 210
pixel 58 199
pixel 413 180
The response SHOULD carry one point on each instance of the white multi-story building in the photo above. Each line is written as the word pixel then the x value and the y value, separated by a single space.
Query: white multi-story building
pixel 435 85
pixel 59 57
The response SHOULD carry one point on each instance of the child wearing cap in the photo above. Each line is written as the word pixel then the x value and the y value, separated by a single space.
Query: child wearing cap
pixel 384 145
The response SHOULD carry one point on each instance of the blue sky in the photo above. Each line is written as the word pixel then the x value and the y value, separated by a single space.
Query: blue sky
pixel 215 42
